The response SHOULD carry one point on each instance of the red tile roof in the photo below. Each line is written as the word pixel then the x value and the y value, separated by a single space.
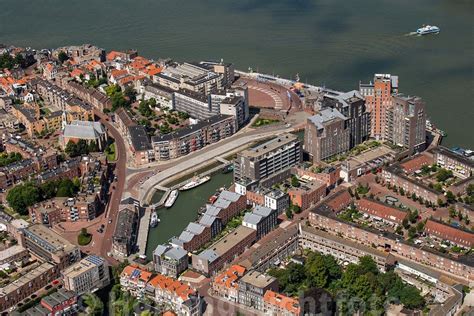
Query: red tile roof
pixel 229 277
pixel 416 163
pixel 173 286
pixel 143 275
pixel 339 201
pixel 283 302
pixel 380 210
pixel 457 236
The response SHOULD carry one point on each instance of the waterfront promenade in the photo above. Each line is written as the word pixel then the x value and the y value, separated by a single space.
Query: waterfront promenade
pixel 190 165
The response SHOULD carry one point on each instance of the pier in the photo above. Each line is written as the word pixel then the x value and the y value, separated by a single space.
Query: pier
pixel 143 231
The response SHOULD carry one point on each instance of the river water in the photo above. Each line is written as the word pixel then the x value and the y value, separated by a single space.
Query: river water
pixel 335 43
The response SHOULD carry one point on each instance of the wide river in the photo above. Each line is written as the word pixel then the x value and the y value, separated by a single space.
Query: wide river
pixel 335 43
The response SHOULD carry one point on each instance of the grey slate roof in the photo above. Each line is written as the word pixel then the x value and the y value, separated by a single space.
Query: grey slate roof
pixel 207 220
pixel 326 115
pixel 262 210
pixel 209 255
pixel 195 228
pixel 252 218
pixel 229 196
pixel 84 130
pixel 222 203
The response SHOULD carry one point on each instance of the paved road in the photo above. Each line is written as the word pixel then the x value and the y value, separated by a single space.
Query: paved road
pixel 116 196
pixel 207 154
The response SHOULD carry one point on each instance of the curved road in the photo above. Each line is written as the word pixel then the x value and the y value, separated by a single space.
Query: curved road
pixel 116 194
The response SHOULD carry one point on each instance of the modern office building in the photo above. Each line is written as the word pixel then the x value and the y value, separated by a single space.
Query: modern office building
pixel 87 275
pixel 405 123
pixel 267 159
pixel 378 97
pixel 326 135
pixel 50 246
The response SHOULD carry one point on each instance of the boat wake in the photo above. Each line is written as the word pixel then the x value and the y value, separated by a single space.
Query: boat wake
pixel 411 34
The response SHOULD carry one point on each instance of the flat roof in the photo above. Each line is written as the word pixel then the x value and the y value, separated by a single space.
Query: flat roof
pixel 343 241
pixel 48 238
pixel 270 145
pixel 32 274
pixel 231 240
pixel 257 279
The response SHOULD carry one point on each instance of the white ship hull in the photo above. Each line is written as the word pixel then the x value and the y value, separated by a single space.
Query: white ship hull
pixel 194 183
pixel 171 199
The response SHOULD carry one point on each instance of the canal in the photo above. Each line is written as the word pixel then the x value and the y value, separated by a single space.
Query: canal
pixel 184 210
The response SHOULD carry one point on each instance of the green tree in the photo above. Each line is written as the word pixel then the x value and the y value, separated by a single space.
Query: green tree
pixel 443 175
pixel 410 297
pixel 450 197
pixel 294 181
pixel 411 232
pixel 130 94
pixel 62 57
pixel 95 307
pixel 22 196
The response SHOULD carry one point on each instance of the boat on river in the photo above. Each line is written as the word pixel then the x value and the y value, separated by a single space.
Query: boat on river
pixel 428 29
pixel 195 182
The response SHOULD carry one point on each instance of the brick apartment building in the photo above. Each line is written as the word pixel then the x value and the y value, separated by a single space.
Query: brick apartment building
pixel 396 176
pixel 323 217
pixel 456 236
pixel 193 137
pixel 381 211
pixel 307 194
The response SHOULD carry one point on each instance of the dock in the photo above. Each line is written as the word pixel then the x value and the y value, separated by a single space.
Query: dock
pixel 143 231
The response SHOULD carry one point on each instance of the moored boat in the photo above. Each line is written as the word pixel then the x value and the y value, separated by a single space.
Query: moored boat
pixel 154 219
pixel 194 183
pixel 171 198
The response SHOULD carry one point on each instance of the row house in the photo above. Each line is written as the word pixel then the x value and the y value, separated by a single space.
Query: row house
pixel 454 235
pixel 395 176
pixel 262 219
pixel 134 280
pixel 193 137
pixel 381 211
pixel 90 95
pixel 275 199
pixel 38 276
pixel 226 285
pixel 272 249
pixel 340 248
pixel 278 304
pixel 182 299
pixel 461 166
pixel 324 217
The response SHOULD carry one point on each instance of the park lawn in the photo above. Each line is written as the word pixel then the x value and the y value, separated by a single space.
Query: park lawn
pixel 110 152
pixel 84 239
pixel 262 122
